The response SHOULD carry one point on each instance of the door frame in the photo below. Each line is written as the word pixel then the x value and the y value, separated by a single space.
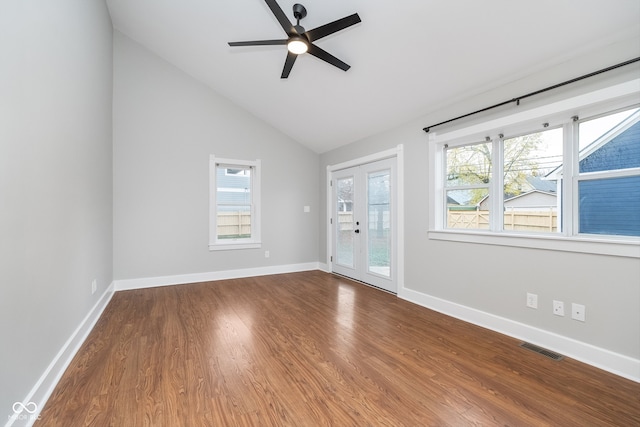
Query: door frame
pixel 398 153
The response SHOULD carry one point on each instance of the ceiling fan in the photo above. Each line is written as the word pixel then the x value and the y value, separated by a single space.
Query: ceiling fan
pixel 299 40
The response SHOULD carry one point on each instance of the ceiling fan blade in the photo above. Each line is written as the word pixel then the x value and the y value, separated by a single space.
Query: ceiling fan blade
pixel 288 64
pixel 327 57
pixel 259 43
pixel 287 26
pixel 332 27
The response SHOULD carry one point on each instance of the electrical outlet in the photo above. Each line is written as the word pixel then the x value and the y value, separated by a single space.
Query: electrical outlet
pixel 558 308
pixel 94 286
pixel 578 312
pixel 532 300
pixel 267 254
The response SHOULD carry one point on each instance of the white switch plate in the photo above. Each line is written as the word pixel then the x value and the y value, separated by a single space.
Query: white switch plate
pixel 532 300
pixel 267 254
pixel 558 308
pixel 307 209
pixel 94 286
pixel 578 312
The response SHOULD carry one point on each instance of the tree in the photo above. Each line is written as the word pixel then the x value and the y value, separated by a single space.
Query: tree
pixel 472 164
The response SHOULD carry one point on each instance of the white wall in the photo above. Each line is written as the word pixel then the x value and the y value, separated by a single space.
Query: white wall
pixel 495 279
pixel 166 124
pixel 55 180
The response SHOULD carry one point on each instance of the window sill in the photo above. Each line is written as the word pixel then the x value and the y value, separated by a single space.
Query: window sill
pixel 583 244
pixel 234 246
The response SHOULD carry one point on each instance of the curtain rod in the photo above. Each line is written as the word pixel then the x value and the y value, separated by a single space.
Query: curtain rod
pixel 537 92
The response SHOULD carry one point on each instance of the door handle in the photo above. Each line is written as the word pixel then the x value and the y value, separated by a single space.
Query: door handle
pixel 356 231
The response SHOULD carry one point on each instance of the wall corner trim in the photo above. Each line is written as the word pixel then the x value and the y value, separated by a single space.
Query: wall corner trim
pixel 607 360
pixel 324 267
pixel 47 382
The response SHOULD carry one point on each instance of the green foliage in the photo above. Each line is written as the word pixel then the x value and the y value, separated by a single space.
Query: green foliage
pixel 472 165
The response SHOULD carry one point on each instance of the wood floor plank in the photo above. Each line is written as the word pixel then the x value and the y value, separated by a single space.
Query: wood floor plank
pixel 313 349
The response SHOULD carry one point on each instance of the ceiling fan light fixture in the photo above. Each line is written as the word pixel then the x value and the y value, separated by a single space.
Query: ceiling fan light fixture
pixel 297 45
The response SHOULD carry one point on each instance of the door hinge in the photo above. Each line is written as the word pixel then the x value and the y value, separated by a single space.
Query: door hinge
pixel 331 257
pixel 330 220
pixel 330 183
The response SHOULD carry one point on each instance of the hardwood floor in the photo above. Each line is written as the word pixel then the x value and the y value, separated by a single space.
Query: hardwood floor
pixel 311 349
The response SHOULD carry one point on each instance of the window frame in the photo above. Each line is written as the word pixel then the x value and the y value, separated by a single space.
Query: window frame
pixel 557 114
pixel 253 242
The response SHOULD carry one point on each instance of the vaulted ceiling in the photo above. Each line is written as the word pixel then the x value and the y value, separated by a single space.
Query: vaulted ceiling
pixel 407 57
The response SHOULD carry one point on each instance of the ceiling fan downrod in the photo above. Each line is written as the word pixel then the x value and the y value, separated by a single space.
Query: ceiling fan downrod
pixel 299 12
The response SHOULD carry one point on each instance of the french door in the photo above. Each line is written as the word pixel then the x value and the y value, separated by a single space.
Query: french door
pixel 364 222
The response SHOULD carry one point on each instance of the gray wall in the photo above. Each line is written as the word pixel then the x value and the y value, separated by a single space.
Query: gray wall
pixel 499 277
pixel 166 124
pixel 55 180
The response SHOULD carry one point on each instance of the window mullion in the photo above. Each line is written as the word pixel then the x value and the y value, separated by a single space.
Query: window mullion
pixel 569 179
pixel 496 193
pixel 441 167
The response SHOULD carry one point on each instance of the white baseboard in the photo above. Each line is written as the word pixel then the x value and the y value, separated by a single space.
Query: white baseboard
pixel 41 391
pixel 601 358
pixel 152 282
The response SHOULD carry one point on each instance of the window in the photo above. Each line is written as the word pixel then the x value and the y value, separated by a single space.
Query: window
pixel 608 176
pixel 468 174
pixel 528 201
pixel 553 178
pixel 234 204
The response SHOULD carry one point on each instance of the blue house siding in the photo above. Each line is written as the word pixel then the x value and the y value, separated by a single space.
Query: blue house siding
pixel 622 152
pixel 612 206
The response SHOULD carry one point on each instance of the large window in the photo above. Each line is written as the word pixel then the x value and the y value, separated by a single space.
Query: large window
pixel 234 204
pixel 558 177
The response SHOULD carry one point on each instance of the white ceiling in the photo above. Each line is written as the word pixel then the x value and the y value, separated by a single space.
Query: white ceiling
pixel 407 57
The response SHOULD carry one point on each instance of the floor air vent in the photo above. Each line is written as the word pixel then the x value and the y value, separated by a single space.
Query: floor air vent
pixel 543 351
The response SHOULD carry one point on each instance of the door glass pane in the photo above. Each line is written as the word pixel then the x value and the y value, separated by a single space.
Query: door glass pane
pixel 379 228
pixel 345 226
